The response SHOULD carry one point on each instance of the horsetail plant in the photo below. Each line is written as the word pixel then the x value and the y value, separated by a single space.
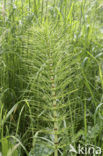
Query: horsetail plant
pixel 51 69
pixel 51 74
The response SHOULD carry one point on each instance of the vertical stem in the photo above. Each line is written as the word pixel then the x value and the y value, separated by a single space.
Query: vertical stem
pixel 46 9
pixel 5 4
pixel 29 5
pixel 85 120
pixel 53 94
pixel 3 73
pixel 22 9
pixel 54 3
pixel 65 12
pixel 42 10
pixel 4 10
pixel 35 7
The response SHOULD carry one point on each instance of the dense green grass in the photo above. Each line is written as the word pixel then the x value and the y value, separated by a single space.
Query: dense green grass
pixel 51 76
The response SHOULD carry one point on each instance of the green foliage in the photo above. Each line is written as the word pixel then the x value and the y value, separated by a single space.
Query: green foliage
pixel 8 148
pixel 41 150
pixel 51 76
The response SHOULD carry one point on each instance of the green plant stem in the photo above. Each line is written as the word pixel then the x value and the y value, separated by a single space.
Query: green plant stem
pixel 42 11
pixel 85 119
pixel 53 94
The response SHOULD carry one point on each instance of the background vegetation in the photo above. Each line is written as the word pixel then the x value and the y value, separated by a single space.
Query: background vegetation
pixel 51 76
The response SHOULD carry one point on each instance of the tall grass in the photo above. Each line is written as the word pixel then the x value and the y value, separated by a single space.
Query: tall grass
pixel 51 76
